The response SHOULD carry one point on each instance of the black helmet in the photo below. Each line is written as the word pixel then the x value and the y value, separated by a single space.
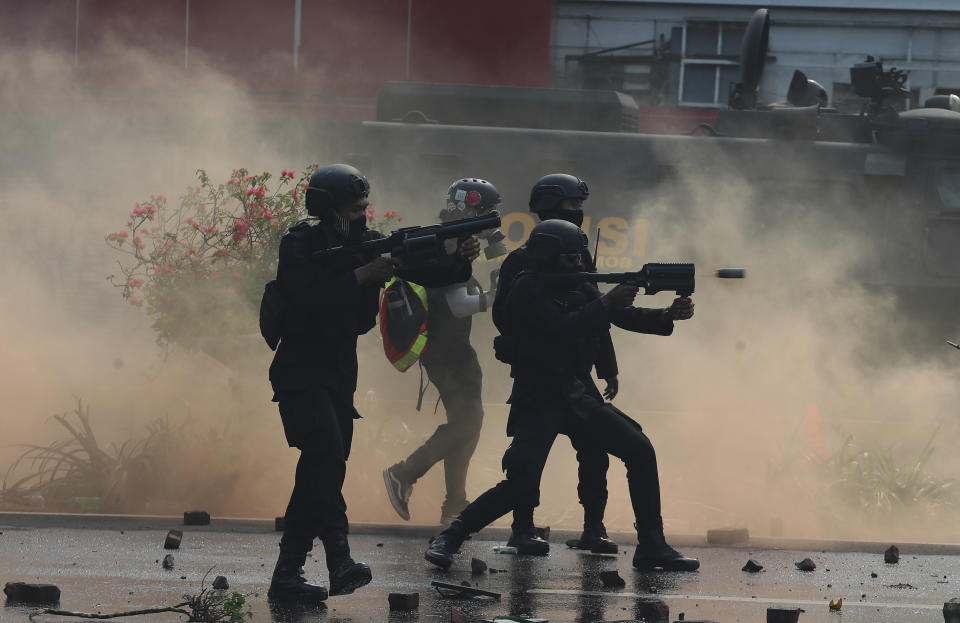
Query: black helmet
pixel 335 185
pixel 553 238
pixel 470 197
pixel 551 189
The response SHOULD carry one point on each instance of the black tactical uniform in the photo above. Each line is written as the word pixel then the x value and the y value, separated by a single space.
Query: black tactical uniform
pixel 592 463
pixel 314 377
pixel 550 335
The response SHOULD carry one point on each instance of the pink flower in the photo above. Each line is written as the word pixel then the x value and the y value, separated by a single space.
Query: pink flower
pixel 241 227
pixel 135 300
pixel 134 283
pixel 165 270
pixel 286 173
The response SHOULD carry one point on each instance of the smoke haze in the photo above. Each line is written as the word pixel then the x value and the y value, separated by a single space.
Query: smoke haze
pixel 768 370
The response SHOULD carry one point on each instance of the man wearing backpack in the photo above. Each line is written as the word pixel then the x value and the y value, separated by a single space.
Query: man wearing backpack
pixel 451 364
pixel 329 302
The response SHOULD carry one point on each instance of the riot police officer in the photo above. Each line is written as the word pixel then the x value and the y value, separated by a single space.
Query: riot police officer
pixel 327 304
pixel 553 327
pixel 451 364
pixel 561 196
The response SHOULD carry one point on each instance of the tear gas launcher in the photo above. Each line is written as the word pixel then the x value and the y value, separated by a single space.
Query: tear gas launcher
pixel 653 278
pixel 416 245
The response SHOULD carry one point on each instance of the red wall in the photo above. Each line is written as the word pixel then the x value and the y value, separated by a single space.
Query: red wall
pixel 348 49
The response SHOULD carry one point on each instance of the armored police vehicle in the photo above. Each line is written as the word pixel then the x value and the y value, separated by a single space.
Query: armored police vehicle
pixel 875 195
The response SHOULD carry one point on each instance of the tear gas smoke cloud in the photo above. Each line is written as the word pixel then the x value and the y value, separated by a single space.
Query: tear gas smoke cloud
pixel 725 399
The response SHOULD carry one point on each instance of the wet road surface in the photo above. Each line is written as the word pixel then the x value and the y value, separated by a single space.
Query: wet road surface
pixel 112 563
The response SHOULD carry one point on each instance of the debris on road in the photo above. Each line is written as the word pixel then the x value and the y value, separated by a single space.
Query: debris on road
pixel 458 616
pixel 652 610
pixel 892 555
pixel 220 583
pixel 196 518
pixel 612 579
pixel 836 605
pixel 901 586
pixel 779 614
pixel 806 565
pixel 174 537
pixel 728 536
pixel 32 593
pixel 168 561
pixel 456 590
pixel 403 601
pixel 951 611
pixel 752 566
pixel 873 574
pixel 477 566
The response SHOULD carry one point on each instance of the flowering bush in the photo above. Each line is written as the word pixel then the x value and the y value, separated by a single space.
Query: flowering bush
pixel 198 266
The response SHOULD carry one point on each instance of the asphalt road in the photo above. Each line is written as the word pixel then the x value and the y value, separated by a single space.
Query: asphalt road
pixel 112 563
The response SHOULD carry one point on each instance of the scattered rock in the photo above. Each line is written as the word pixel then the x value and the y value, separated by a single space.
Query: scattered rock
pixel 404 601
pixel 873 575
pixel 32 593
pixel 279 524
pixel 951 611
pixel 220 583
pixel 196 518
pixel 652 610
pixel 778 614
pixel 892 555
pixel 477 566
pixel 379 544
pixel 543 532
pixel 728 536
pixel 168 561
pixel 752 566
pixel 806 565
pixel 901 585
pixel 458 616
pixel 173 539
pixel 612 579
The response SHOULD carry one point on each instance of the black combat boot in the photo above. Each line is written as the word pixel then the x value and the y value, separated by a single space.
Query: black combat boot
pixel 447 543
pixel 527 542
pixel 346 575
pixel 288 583
pixel 594 538
pixel 653 552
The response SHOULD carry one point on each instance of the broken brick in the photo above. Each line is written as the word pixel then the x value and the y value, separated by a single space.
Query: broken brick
pixel 458 616
pixel 612 579
pixel 806 565
pixel 220 583
pixel 752 566
pixel 477 566
pixel 892 555
pixel 196 518
pixel 403 601
pixel 652 610
pixel 168 561
pixel 174 537
pixel 32 593
pixel 778 614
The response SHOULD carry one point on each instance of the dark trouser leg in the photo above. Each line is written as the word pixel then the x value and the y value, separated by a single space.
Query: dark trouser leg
pixel 592 465
pixel 611 431
pixel 323 433
pixel 523 461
